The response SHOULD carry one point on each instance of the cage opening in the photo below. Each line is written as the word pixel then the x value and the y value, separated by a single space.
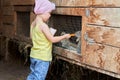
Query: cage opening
pixel 23 23
pixel 67 24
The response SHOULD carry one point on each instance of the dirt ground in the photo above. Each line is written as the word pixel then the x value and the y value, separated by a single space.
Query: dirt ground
pixel 12 71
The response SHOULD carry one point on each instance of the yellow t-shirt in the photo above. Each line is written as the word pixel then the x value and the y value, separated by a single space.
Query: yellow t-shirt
pixel 42 47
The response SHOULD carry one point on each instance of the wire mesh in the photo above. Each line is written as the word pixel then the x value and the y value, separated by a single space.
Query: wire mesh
pixel 66 24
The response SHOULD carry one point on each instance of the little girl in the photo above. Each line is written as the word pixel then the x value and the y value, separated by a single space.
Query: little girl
pixel 42 39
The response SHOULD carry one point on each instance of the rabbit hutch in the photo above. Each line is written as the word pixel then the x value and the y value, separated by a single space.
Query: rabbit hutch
pixel 95 23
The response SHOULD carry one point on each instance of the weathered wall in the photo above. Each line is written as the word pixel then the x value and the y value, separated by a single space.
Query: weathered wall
pixel 7 19
pixel 101 36
pixel 9 14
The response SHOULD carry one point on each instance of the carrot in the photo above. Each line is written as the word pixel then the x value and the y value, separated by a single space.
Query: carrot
pixel 72 34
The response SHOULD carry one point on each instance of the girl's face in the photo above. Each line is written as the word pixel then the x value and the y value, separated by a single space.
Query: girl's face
pixel 46 16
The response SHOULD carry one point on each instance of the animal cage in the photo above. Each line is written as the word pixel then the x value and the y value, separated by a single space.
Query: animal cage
pixel 67 24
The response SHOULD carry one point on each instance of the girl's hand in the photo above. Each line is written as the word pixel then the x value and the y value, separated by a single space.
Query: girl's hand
pixel 67 36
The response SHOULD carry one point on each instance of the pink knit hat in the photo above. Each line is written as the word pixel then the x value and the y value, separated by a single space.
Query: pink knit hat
pixel 43 6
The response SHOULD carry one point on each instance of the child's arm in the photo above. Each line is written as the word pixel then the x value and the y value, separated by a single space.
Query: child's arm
pixel 53 39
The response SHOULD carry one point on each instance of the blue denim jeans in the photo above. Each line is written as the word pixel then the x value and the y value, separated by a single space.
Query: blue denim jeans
pixel 38 69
